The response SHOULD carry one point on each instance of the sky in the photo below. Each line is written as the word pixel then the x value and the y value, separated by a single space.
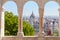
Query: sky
pixel 11 7
pixel 50 8
pixel 29 8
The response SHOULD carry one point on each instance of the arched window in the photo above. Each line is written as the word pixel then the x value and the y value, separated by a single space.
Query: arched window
pixel 30 19
pixel 51 19
pixel 10 19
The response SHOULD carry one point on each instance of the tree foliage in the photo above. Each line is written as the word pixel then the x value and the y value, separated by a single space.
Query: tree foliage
pixel 28 29
pixel 11 23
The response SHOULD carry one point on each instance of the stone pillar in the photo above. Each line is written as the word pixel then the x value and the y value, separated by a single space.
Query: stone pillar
pixel 2 22
pixel 59 21
pixel 40 35
pixel 19 21
pixel 41 12
pixel 20 10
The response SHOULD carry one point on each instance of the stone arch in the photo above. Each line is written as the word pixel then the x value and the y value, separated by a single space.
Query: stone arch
pixel 32 5
pixel 20 4
pixel 28 2
pixel 48 14
pixel 51 1
pixel 9 2
pixel 45 1
pixel 4 1
pixel 15 13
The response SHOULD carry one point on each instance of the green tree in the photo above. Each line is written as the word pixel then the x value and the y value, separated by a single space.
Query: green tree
pixel 28 30
pixel 11 23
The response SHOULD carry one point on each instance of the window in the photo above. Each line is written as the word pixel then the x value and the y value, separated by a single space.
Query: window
pixel 10 18
pixel 51 19
pixel 30 19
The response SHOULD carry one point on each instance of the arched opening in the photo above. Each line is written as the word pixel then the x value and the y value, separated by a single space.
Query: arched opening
pixel 51 19
pixel 9 19
pixel 30 19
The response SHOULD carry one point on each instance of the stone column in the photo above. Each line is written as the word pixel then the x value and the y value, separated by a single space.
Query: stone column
pixel 2 22
pixel 41 28
pixel 41 11
pixel 20 23
pixel 59 21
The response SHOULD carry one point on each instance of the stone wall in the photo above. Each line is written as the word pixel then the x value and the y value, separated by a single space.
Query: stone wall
pixel 20 4
pixel 31 38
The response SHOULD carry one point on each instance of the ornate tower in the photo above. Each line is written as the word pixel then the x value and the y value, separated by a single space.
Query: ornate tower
pixel 32 19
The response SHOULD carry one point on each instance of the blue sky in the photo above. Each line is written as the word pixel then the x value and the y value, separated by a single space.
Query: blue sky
pixel 50 8
pixel 30 7
pixel 11 7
